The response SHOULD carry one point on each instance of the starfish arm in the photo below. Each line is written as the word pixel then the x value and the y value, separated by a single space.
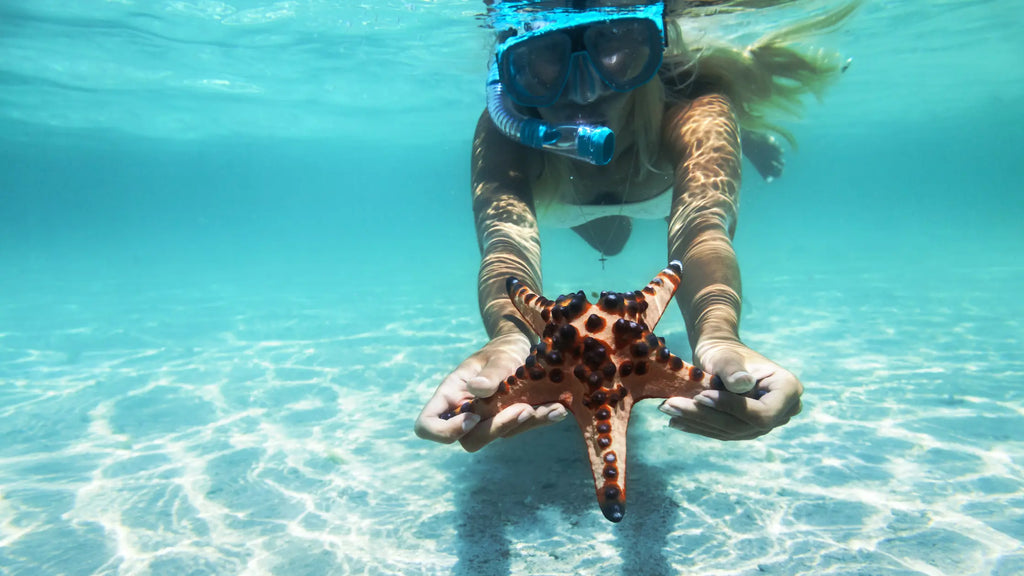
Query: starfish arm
pixel 539 381
pixel 668 375
pixel 514 390
pixel 658 293
pixel 531 306
pixel 604 429
pixel 597 360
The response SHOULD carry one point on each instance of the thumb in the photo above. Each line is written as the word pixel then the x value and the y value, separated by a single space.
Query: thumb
pixel 731 367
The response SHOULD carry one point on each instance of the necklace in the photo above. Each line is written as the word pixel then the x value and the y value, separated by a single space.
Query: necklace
pixel 603 258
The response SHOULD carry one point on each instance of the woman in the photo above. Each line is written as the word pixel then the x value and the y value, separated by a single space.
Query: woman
pixel 596 113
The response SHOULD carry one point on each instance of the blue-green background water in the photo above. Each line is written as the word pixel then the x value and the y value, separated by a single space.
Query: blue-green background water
pixel 236 255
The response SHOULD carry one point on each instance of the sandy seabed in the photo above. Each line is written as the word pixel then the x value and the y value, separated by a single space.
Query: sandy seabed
pixel 211 432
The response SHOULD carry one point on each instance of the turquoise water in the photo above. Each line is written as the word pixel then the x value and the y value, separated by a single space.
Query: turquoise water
pixel 236 255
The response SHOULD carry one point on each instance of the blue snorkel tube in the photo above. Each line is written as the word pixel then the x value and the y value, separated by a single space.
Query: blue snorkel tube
pixel 594 144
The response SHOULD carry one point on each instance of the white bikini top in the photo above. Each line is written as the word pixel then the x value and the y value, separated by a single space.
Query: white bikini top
pixel 563 215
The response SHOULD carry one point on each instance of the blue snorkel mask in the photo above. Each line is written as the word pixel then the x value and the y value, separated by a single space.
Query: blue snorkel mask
pixel 542 50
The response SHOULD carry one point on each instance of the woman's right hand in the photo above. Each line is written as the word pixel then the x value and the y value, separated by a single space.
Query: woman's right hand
pixel 478 377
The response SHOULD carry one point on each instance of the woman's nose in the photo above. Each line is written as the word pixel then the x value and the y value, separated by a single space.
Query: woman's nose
pixel 585 85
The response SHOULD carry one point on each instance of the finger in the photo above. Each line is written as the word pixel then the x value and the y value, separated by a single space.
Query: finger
pixel 432 427
pixel 775 400
pixel 485 382
pixel 695 414
pixel 689 416
pixel 542 416
pixel 712 432
pixel 732 369
pixel 783 396
pixel 511 421
pixel 765 413
pixel 482 386
pixel 501 425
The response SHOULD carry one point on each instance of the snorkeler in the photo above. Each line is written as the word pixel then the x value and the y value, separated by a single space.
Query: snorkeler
pixel 598 112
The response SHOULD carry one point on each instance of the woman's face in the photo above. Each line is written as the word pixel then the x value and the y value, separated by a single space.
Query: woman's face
pixel 603 106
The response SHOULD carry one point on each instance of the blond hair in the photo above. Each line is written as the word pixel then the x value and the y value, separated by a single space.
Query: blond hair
pixel 765 79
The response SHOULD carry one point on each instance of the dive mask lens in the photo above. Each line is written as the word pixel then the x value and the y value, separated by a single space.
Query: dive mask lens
pixel 626 53
pixel 625 50
pixel 535 70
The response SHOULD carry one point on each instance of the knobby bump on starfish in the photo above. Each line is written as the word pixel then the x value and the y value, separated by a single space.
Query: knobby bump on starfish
pixel 597 360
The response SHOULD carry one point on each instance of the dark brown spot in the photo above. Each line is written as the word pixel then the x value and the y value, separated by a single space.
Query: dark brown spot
pixel 611 302
pixel 611 472
pixel 676 363
pixel 594 353
pixel 696 373
pixel 637 330
pixel 640 349
pixel 610 457
pixel 556 375
pixel 568 335
pixel 612 492
pixel 602 414
pixel 620 327
pixel 580 372
pixel 576 306
pixel 604 428
pixel 640 368
pixel 604 441
pixel 595 323
pixel 625 369
pixel 537 373
pixel 608 370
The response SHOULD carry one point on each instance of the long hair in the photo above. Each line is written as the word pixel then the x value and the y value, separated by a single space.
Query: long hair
pixel 766 80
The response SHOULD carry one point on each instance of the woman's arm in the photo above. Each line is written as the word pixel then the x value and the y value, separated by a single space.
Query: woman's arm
pixel 506 229
pixel 506 226
pixel 703 139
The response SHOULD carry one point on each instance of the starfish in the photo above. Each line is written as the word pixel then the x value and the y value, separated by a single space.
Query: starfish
pixel 597 360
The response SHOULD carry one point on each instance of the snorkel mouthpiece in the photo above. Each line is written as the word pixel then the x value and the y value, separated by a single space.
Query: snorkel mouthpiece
pixel 590 143
pixel 595 143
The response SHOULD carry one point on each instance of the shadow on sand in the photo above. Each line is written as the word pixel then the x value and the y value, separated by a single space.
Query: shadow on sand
pixel 507 484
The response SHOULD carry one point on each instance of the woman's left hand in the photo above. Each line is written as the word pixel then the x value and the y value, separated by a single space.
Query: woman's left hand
pixel 760 395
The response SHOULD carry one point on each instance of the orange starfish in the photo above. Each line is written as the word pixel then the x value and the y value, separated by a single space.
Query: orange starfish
pixel 597 360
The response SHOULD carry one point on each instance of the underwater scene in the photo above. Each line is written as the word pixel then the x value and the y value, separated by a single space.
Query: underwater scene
pixel 237 256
